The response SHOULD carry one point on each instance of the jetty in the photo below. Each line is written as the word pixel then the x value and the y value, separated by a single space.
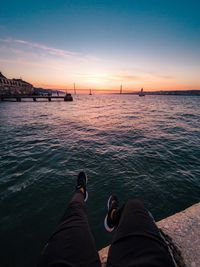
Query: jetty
pixel 19 98
pixel 183 231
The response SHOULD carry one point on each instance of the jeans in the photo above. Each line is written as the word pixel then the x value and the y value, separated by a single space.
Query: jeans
pixel 136 242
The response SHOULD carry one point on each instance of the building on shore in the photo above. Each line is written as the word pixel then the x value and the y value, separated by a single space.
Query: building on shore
pixel 14 86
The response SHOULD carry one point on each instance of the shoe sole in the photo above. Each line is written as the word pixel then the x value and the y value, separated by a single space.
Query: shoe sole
pixel 86 193
pixel 106 225
pixel 86 196
pixel 108 202
pixel 105 220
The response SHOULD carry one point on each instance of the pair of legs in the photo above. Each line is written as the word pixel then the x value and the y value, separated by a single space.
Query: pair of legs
pixel 136 241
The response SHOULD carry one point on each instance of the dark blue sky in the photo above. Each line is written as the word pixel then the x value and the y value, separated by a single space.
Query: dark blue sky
pixel 129 38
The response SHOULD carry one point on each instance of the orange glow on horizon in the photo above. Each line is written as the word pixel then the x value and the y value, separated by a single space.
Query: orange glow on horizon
pixel 115 88
pixel 110 82
pixel 54 68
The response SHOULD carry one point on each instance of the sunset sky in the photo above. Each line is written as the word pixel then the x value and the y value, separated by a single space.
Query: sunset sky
pixel 153 44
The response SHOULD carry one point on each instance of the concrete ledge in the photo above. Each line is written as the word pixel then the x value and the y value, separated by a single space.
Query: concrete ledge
pixel 184 230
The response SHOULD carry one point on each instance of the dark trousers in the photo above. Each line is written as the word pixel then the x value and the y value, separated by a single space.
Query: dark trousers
pixel 136 243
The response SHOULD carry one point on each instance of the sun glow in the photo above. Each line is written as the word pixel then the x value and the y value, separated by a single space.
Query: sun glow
pixel 96 78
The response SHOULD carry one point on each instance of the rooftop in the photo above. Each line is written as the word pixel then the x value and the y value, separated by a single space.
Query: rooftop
pixel 2 76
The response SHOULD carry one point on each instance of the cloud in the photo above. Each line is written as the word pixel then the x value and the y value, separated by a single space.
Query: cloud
pixel 129 78
pixel 22 62
pixel 48 49
pixel 167 77
pixel 147 73
pixel 109 78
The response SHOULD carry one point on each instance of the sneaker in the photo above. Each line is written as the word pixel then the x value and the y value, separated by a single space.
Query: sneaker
pixel 110 223
pixel 81 183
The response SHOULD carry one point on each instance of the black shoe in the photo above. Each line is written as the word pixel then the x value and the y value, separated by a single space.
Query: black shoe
pixel 113 204
pixel 81 183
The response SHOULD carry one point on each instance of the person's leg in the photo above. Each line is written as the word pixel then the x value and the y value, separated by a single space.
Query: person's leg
pixel 72 243
pixel 137 241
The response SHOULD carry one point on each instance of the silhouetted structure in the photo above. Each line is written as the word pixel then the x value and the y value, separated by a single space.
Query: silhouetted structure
pixel 48 97
pixel 74 88
pixel 14 86
pixel 68 97
pixel 120 89
pixel 141 93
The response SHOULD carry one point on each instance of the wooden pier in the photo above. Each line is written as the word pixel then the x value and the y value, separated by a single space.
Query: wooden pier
pixel 34 98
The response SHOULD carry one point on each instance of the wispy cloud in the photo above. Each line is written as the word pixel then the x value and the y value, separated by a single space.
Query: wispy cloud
pixel 48 49
pixel 111 77
pixel 129 78
pixel 22 62
pixel 59 66
pixel 145 73
pixel 167 77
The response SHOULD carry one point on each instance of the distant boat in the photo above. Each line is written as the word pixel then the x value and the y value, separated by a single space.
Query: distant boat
pixel 90 92
pixel 120 89
pixel 68 97
pixel 141 93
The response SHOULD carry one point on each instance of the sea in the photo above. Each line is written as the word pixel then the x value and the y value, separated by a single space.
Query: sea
pixel 134 147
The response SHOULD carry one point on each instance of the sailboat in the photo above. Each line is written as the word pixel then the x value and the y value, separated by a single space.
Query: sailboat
pixel 120 89
pixel 141 93
pixel 90 92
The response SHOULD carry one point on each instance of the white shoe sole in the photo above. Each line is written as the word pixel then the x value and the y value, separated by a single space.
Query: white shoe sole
pixel 105 220
pixel 86 194
pixel 106 225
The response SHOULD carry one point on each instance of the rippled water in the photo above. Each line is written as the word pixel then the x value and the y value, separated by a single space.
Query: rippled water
pixel 135 147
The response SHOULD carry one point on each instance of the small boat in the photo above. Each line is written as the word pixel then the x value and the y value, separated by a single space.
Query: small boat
pixel 68 97
pixel 141 93
pixel 90 92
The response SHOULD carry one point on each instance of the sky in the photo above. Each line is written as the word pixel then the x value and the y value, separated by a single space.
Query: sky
pixel 154 44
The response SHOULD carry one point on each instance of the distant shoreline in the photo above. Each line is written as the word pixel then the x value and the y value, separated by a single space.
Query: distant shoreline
pixel 161 92
pixel 176 92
